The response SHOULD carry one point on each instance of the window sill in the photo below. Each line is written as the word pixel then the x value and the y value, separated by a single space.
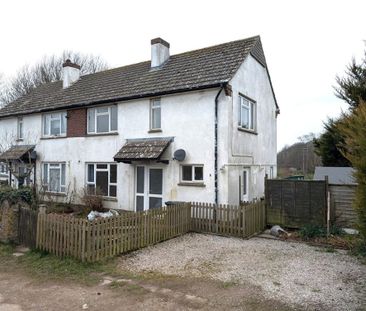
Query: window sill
pixel 53 137
pixel 155 131
pixel 110 199
pixel 102 134
pixel 56 194
pixel 247 131
pixel 192 184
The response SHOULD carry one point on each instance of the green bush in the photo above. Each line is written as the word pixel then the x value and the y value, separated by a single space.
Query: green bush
pixel 24 194
pixel 311 231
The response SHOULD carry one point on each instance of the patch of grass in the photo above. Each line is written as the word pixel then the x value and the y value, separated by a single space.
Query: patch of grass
pixel 42 266
pixel 311 231
pixel 330 249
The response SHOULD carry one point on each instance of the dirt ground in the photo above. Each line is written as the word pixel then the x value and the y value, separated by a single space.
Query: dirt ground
pixel 18 292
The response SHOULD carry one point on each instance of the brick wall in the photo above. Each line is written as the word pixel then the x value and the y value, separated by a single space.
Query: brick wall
pixel 76 123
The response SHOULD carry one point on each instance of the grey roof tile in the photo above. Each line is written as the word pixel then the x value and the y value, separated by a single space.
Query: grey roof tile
pixel 197 69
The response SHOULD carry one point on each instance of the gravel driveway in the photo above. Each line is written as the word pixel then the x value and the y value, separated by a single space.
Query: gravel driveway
pixel 291 272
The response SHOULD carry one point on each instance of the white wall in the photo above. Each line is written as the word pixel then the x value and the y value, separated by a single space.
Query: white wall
pixel 258 152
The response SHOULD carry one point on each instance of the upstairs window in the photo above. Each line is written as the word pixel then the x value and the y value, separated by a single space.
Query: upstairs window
pixel 54 124
pixel 192 173
pixel 155 114
pixel 247 113
pixel 54 177
pixel 102 176
pixel 102 120
pixel 20 130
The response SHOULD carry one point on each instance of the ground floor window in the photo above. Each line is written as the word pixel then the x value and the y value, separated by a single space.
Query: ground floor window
pixel 102 179
pixel 54 177
pixel 192 173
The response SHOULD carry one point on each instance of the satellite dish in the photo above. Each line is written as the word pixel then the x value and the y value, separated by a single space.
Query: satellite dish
pixel 179 155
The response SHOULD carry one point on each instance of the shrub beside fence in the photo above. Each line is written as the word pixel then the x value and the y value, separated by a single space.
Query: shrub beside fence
pixel 106 237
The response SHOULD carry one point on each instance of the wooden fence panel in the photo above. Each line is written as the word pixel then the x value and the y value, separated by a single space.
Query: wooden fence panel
pixel 342 211
pixel 27 227
pixel 295 203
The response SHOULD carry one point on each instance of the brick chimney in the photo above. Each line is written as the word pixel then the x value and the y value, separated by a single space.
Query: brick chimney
pixel 159 52
pixel 70 73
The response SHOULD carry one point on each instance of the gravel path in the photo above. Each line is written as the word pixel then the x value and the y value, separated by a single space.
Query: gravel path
pixel 292 272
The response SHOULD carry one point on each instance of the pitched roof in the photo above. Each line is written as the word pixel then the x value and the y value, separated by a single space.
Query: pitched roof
pixel 17 152
pixel 198 69
pixel 336 175
pixel 143 149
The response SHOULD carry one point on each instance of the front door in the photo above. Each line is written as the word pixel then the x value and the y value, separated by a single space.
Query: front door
pixel 149 188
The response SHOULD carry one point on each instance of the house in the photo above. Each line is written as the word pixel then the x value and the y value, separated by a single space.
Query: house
pixel 336 175
pixel 196 126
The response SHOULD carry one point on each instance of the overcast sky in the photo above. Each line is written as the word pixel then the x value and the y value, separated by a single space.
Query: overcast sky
pixel 306 43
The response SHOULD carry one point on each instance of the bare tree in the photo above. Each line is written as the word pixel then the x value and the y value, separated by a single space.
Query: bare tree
pixel 49 69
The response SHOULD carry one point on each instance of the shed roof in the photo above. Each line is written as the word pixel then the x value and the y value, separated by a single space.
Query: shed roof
pixel 143 149
pixel 336 175
pixel 198 69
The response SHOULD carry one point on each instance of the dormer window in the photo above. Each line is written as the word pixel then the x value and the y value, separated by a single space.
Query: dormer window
pixel 102 120
pixel 54 124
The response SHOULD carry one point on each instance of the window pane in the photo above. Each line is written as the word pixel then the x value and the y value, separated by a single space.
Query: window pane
pixel 102 182
pixel 102 166
pixel 90 177
pixel 55 127
pixel 198 173
pixel 91 120
pixel 102 110
pixel 140 176
pixel 63 174
pixel 45 173
pixel 156 118
pixel 103 123
pixel 54 184
pixel 113 191
pixel 244 117
pixel 63 123
pixel 155 202
pixel 156 181
pixel 114 118
pixel 187 173
pixel 139 203
pixel 46 124
pixel 156 103
pixel 113 173
pixel 245 182
pixel 252 114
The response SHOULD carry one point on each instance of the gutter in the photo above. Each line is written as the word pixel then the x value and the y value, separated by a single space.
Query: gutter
pixel 216 143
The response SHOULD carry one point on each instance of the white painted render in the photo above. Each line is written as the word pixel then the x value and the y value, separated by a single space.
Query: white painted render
pixel 69 76
pixel 159 54
pixel 189 118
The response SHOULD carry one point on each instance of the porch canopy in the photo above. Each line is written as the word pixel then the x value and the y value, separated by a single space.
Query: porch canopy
pixel 22 153
pixel 143 149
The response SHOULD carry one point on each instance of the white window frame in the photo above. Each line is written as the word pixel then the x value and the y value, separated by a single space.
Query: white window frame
pixel 20 129
pixel 155 104
pixel 245 184
pixel 193 180
pixel 250 106
pixel 56 116
pixel 4 168
pixel 96 114
pixel 108 169
pixel 45 178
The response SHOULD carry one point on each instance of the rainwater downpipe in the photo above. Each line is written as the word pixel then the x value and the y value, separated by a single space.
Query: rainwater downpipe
pixel 216 144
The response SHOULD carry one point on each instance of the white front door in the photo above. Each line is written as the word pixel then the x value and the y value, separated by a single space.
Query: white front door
pixel 245 185
pixel 149 187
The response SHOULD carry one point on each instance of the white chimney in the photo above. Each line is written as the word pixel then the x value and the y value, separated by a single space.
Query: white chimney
pixel 159 52
pixel 70 73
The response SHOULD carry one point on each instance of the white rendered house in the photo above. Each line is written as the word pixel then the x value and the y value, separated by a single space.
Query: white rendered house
pixel 196 126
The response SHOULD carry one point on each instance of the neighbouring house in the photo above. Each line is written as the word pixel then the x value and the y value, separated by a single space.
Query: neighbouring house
pixel 196 126
pixel 336 175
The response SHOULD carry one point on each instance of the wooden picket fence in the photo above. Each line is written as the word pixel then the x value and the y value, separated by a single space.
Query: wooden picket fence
pixel 229 220
pixel 106 237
